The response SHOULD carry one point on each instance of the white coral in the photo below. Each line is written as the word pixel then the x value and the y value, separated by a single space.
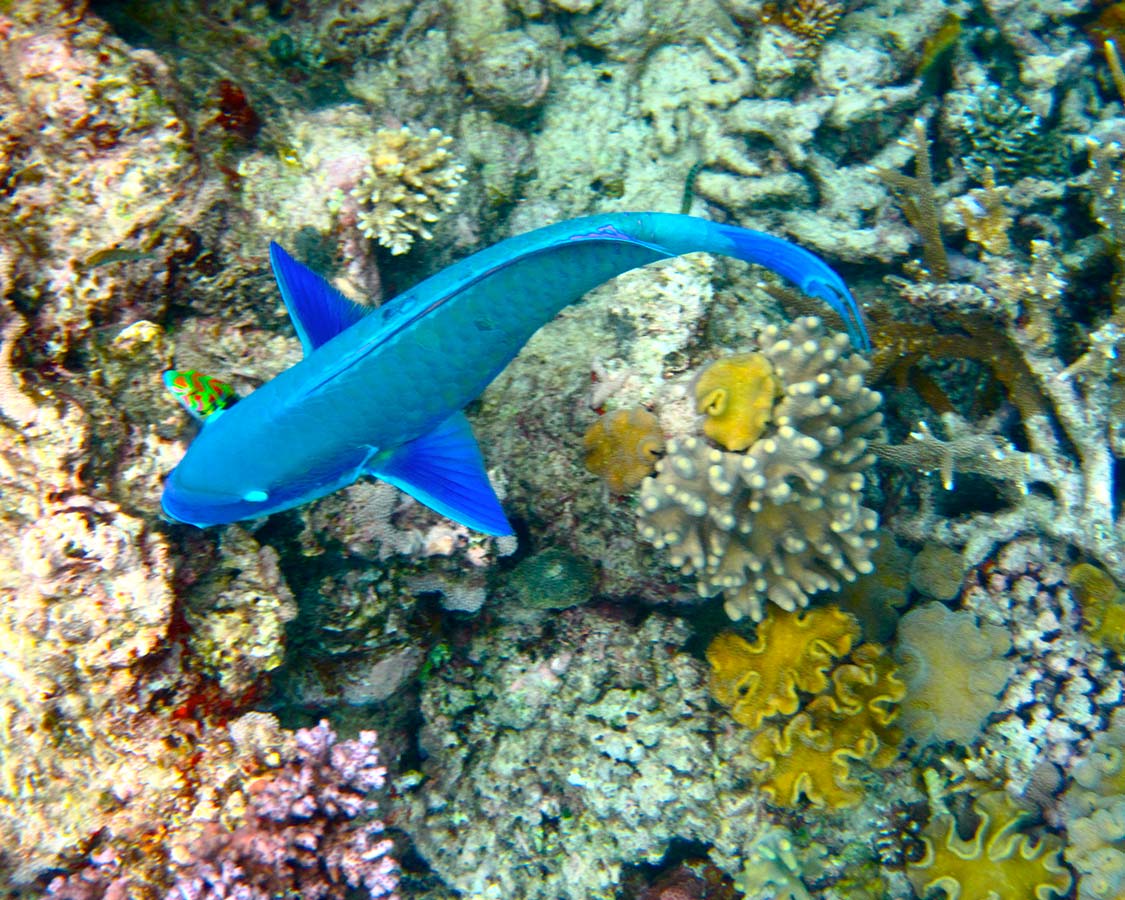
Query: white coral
pixel 782 520
pixel 409 182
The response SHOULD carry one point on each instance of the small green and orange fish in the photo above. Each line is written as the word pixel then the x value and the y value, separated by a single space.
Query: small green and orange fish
pixel 201 395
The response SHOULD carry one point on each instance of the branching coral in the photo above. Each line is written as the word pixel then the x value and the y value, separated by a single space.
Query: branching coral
pixel 310 830
pixel 954 669
pixel 408 183
pixel 1068 414
pixel 998 862
pixel 848 719
pixel 782 520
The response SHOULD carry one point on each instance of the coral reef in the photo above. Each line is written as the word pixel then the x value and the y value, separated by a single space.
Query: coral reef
pixel 998 860
pixel 954 668
pixel 409 181
pixel 236 614
pixel 849 718
pixel 583 739
pixel 622 448
pixel 782 520
pixel 1063 686
pixel 309 830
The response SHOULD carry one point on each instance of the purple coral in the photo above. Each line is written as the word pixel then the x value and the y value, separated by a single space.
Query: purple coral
pixel 310 830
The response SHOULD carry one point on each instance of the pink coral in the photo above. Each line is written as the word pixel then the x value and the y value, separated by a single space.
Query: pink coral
pixel 310 830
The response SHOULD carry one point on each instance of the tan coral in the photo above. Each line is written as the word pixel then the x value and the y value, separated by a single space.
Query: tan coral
pixel 410 181
pixel 783 520
pixel 954 669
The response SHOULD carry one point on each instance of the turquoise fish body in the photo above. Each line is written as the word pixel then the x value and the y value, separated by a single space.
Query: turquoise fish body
pixel 380 391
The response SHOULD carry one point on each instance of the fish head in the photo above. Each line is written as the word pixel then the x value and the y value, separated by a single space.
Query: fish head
pixel 230 474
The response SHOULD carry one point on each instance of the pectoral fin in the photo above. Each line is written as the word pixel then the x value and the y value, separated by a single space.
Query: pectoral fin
pixel 444 470
pixel 319 311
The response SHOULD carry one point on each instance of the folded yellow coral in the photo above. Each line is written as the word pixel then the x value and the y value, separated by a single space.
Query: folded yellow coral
pixel 849 718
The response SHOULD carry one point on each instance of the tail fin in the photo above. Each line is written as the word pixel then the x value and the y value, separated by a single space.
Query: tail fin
pixel 676 234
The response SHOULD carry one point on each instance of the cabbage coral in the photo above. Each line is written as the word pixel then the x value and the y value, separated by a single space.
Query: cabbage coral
pixel 998 862
pixel 782 520
pixel 848 719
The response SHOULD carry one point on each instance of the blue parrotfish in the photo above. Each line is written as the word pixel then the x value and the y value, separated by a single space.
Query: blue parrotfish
pixel 381 391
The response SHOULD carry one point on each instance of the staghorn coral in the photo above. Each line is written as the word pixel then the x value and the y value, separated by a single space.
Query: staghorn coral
pixel 999 861
pixel 848 719
pixel 622 448
pixel 736 395
pixel 782 520
pixel 1062 484
pixel 309 830
pixel 954 669
pixel 409 182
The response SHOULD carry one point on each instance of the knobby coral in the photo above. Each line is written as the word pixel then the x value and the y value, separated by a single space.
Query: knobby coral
pixel 408 183
pixel 310 830
pixel 782 520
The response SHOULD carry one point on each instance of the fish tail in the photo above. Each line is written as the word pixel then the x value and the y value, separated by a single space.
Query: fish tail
pixel 676 234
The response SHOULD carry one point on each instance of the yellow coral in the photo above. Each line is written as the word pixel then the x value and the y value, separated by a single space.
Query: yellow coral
pixel 998 862
pixel 623 446
pixel 794 651
pixel 849 718
pixel 1102 604
pixel 736 394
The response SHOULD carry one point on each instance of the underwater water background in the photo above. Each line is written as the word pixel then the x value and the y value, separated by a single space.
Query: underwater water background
pixel 781 616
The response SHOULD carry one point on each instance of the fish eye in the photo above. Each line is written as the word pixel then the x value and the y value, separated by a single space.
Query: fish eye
pixel 256 496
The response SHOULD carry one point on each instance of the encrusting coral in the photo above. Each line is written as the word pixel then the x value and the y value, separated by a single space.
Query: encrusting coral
pixel 999 861
pixel 782 520
pixel 622 447
pixel 848 719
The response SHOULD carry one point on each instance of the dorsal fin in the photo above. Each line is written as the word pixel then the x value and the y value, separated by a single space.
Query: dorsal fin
pixel 319 311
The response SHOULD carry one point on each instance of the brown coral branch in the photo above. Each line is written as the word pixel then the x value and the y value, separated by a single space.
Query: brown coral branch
pixel 918 199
